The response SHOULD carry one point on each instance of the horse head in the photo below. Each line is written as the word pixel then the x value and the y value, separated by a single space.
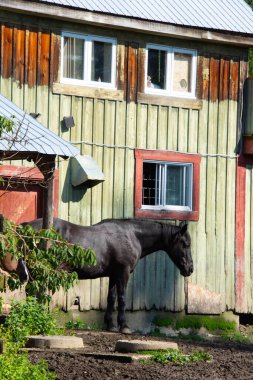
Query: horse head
pixel 12 265
pixel 180 249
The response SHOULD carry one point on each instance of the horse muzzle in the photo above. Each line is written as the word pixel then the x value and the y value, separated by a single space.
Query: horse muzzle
pixel 186 272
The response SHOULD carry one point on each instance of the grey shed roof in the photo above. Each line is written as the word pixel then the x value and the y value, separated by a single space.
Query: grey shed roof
pixel 30 135
pixel 221 15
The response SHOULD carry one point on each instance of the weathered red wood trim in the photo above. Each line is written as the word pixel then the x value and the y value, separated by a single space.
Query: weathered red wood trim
pixel 140 156
pixel 242 161
pixel 30 175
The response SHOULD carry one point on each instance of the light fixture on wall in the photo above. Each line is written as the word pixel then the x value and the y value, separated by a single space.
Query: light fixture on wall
pixel 34 115
pixel 68 122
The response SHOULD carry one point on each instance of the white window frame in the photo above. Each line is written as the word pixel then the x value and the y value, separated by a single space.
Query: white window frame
pixel 188 190
pixel 168 91
pixel 87 40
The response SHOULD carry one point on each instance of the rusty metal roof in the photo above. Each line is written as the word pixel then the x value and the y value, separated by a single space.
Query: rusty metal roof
pixel 31 136
pixel 221 15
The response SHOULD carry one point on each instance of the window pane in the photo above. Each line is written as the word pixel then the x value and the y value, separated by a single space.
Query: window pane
pixel 156 77
pixel 175 185
pixel 101 61
pixel 149 184
pixel 73 54
pixel 182 72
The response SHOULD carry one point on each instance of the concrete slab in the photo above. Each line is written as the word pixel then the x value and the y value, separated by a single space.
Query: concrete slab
pixel 144 345
pixel 54 341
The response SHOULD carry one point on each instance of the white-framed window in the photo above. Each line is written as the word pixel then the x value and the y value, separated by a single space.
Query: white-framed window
pixel 88 60
pixel 167 186
pixel 171 71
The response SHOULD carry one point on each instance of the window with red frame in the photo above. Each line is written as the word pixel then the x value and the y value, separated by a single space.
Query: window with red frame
pixel 167 185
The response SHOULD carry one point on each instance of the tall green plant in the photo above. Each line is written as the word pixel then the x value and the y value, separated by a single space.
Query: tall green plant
pixel 50 268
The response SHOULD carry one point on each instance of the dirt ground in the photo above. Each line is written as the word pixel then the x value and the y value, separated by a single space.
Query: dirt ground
pixel 230 361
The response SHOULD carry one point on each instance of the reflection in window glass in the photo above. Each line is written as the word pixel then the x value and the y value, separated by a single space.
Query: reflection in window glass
pixel 73 53
pixel 156 69
pixel 175 185
pixel 182 72
pixel 101 61
pixel 167 184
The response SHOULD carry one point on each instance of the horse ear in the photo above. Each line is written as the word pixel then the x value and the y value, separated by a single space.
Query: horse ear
pixel 183 227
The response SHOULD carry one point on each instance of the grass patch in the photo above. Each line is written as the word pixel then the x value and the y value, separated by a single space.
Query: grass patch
pixel 163 322
pixel 196 322
pixel 237 337
pixel 177 357
pixel 79 324
pixel 210 323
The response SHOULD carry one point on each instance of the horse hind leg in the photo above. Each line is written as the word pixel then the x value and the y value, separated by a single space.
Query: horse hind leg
pixel 111 298
pixel 121 291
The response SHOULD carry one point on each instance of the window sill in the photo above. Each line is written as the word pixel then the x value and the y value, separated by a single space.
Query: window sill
pixel 169 101
pixel 166 214
pixel 89 92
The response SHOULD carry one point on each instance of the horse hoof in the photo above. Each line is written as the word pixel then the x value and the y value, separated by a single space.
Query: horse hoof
pixel 125 330
pixel 111 328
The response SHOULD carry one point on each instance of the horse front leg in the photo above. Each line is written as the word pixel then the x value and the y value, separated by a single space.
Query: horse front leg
pixel 111 298
pixel 121 292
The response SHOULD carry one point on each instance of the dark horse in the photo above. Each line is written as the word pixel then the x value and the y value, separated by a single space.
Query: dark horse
pixel 118 245
pixel 12 265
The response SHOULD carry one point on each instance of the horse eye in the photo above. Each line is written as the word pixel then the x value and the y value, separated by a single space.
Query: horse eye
pixel 185 245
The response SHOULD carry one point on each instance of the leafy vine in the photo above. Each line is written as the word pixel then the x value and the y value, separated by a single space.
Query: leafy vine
pixel 49 269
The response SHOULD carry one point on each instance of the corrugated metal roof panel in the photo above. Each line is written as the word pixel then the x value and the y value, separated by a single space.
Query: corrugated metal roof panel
pixel 30 135
pixel 222 15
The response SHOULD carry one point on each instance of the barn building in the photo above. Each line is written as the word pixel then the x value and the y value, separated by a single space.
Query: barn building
pixel 157 99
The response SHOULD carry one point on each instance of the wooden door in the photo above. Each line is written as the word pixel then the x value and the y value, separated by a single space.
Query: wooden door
pixel 22 201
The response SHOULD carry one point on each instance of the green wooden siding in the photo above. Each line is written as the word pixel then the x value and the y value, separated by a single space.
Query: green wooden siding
pixel 109 131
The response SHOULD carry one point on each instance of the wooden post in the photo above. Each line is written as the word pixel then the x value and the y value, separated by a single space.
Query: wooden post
pixel 1 346
pixel 48 207
pixel 1 223
pixel 47 166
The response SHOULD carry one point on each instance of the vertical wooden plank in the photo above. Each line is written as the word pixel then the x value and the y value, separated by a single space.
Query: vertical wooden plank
pixel 55 58
pixel 183 129
pixel 121 79
pixel 152 127
pixel 193 131
pixel 108 159
pixel 96 191
pixel 211 174
pixel 129 161
pixel 172 128
pixel 18 67
pixel 142 121
pixel 43 76
pixel 75 210
pixel 86 135
pixel 247 247
pixel 162 128
pixel 6 60
pixel 221 191
pixel 199 274
pixel 230 185
pixel 119 162
pixel 30 90
pixel 31 57
pixel 132 72
pixel 64 178
pixel 98 138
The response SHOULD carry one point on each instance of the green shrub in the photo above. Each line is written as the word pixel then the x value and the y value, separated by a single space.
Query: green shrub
pixel 30 318
pixel 16 366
